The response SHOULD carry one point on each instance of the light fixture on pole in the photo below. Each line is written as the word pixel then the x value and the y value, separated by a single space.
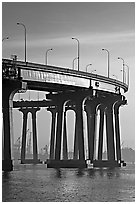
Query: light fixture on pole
pixel 115 76
pixel 108 59
pixel 77 51
pixel 25 38
pixel 46 57
pixel 122 67
pixel 93 71
pixel 87 67
pixel 73 62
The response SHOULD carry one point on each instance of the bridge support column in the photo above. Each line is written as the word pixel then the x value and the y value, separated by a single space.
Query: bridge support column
pixel 59 131
pixel 110 132
pixel 6 162
pixel 76 150
pixel 61 99
pixel 79 130
pixel 24 132
pixel 101 126
pixel 90 109
pixel 9 88
pixel 53 127
pixel 65 148
pixel 35 148
pixel 117 128
pixel 25 112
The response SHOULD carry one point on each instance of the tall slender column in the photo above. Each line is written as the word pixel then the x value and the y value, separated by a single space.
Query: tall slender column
pixel 117 132
pixel 110 132
pixel 76 150
pixel 65 149
pixel 90 108
pixel 53 126
pixel 9 87
pixel 80 132
pixel 35 150
pixel 59 131
pixel 7 162
pixel 101 126
pixel 24 131
pixel 117 128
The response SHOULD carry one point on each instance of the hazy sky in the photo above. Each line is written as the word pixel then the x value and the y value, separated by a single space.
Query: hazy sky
pixel 109 25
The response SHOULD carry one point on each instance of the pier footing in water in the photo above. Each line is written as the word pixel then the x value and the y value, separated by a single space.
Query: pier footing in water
pixel 107 163
pixel 66 164
pixel 7 165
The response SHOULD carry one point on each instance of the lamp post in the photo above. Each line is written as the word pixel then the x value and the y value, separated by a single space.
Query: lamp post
pixel 77 51
pixel 108 59
pixel 73 62
pixel 124 74
pixel 5 38
pixel 128 73
pixel 114 76
pixel 87 67
pixel 93 71
pixel 122 66
pixel 46 58
pixel 25 37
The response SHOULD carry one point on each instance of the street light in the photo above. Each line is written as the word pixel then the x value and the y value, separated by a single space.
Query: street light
pixel 123 67
pixel 108 60
pixel 124 74
pixel 25 37
pixel 93 71
pixel 77 51
pixel 46 58
pixel 73 62
pixel 87 67
pixel 128 73
pixel 115 76
pixel 5 38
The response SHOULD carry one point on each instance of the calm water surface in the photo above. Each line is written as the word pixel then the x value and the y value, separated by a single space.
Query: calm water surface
pixel 37 183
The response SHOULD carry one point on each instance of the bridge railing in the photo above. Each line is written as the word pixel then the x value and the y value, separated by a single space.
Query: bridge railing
pixel 12 69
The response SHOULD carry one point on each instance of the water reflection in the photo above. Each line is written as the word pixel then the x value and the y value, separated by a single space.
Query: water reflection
pixel 68 185
pixel 80 172
pixel 91 173
pixel 58 173
pixel 110 172
pixel 6 176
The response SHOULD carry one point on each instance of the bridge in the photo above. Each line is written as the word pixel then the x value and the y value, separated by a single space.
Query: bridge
pixel 67 90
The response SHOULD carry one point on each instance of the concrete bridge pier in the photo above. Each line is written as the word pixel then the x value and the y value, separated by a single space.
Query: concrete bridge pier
pixel 9 88
pixel 65 146
pixel 101 128
pixel 110 131
pixel 76 150
pixel 117 128
pixel 79 130
pixel 25 112
pixel 61 99
pixel 90 109
pixel 34 126
pixel 53 128
pixel 59 131
pixel 24 132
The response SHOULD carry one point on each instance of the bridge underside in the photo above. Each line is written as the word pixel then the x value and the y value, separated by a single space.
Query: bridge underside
pixel 90 101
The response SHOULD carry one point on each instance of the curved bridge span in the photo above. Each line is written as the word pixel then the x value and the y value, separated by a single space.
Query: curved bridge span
pixel 40 76
pixel 67 90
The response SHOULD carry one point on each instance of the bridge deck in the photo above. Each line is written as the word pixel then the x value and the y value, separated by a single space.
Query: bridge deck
pixel 68 78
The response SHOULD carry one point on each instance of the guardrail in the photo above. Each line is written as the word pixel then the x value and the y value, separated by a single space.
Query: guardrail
pixel 12 69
